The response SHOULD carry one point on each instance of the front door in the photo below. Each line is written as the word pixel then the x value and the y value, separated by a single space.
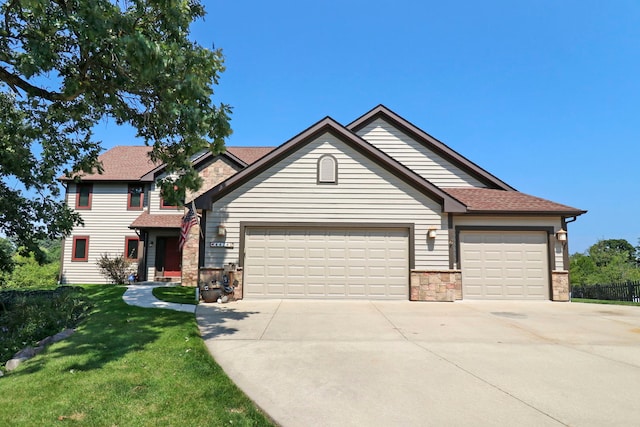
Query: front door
pixel 168 257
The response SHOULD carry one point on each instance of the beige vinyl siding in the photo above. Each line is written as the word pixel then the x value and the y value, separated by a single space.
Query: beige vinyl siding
pixel 516 221
pixel 154 202
pixel 416 156
pixel 365 193
pixel 106 224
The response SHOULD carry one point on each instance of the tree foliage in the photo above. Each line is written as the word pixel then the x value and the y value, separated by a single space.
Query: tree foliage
pixel 65 65
pixel 605 262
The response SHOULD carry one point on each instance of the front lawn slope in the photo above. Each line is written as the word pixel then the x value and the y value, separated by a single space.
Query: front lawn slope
pixel 126 366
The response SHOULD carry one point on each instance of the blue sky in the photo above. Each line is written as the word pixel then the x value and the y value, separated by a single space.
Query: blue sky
pixel 544 94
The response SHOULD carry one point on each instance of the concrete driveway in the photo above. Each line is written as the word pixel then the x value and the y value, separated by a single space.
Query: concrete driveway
pixel 379 363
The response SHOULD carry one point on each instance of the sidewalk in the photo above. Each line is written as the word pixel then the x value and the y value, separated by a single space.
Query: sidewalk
pixel 142 296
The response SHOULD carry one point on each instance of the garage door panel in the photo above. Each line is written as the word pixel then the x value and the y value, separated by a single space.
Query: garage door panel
pixel 504 265
pixel 327 263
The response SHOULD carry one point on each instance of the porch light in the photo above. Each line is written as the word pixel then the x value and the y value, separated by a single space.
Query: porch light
pixel 432 232
pixel 561 235
pixel 222 231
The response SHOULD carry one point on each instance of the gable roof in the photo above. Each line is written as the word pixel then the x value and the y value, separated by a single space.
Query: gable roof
pixel 382 112
pixel 121 163
pixel 328 125
pixel 486 200
pixel 132 163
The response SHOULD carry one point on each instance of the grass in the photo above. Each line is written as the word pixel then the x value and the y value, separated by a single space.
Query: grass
pixel 604 301
pixel 125 366
pixel 177 294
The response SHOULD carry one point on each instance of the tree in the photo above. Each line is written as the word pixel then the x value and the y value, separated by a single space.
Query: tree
pixel 604 251
pixel 6 256
pixel 605 262
pixel 65 65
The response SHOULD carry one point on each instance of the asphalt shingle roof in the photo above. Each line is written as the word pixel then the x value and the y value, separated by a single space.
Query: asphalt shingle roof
pixel 490 200
pixel 147 220
pixel 131 163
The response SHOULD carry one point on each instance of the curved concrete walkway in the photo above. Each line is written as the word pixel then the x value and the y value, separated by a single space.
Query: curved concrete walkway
pixel 142 296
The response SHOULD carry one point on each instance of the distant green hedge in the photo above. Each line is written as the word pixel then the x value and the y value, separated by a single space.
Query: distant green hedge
pixel 27 316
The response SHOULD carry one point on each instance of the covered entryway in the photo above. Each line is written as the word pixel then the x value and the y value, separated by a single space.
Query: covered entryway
pixel 319 262
pixel 504 264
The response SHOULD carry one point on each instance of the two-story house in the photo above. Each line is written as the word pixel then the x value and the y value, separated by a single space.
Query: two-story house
pixel 377 208
pixel 124 214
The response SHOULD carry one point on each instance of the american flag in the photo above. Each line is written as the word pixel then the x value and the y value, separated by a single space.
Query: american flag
pixel 188 220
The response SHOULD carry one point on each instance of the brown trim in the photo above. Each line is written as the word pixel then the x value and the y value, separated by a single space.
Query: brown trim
pixel 328 125
pixel 550 249
pixel 429 142
pixel 335 170
pixel 135 208
pixel 451 237
pixel 197 163
pixel 337 225
pixel 565 247
pixel 128 239
pixel 90 197
pixel 167 207
pixel 524 213
pixel 203 239
pixel 86 249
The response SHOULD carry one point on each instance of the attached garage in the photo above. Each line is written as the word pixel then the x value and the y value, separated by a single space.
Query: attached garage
pixel 321 262
pixel 504 264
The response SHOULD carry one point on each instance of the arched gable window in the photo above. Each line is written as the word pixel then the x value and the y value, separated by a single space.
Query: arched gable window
pixel 327 170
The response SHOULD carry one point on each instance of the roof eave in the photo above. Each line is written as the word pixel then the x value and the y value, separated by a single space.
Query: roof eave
pixel 423 137
pixel 525 212
pixel 328 125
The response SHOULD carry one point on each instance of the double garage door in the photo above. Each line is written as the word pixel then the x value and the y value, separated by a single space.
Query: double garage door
pixel 316 262
pixel 504 265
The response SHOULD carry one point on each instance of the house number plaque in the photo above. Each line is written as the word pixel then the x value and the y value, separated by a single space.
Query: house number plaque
pixel 222 245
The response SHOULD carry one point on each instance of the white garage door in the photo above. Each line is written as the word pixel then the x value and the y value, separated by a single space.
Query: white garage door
pixel 504 265
pixel 326 263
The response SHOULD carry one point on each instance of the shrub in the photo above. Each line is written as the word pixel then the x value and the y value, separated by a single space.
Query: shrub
pixel 116 269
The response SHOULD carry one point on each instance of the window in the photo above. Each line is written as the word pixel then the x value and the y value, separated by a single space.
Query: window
pixel 166 205
pixel 80 250
pixel 136 197
pixel 327 170
pixel 131 248
pixel 83 196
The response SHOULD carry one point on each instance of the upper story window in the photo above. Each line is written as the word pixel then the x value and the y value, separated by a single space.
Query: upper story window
pixel 327 170
pixel 131 248
pixel 135 197
pixel 166 205
pixel 84 193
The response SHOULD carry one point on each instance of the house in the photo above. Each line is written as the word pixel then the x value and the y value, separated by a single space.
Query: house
pixel 374 209
pixel 124 213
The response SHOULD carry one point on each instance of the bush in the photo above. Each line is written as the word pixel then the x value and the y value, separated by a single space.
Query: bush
pixel 116 270
pixel 28 274
pixel 29 316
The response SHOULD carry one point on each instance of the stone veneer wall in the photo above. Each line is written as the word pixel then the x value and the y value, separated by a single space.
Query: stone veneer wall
pixel 436 285
pixel 212 175
pixel 560 285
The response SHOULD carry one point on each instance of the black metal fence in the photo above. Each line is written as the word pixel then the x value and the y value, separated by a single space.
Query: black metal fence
pixel 628 291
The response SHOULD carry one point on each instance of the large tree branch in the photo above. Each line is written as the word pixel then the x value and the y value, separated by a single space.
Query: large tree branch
pixel 14 81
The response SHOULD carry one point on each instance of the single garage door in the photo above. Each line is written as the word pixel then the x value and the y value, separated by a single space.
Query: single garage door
pixel 326 263
pixel 504 265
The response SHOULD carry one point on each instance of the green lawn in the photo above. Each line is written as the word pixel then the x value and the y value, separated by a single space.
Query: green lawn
pixel 603 301
pixel 178 294
pixel 125 366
